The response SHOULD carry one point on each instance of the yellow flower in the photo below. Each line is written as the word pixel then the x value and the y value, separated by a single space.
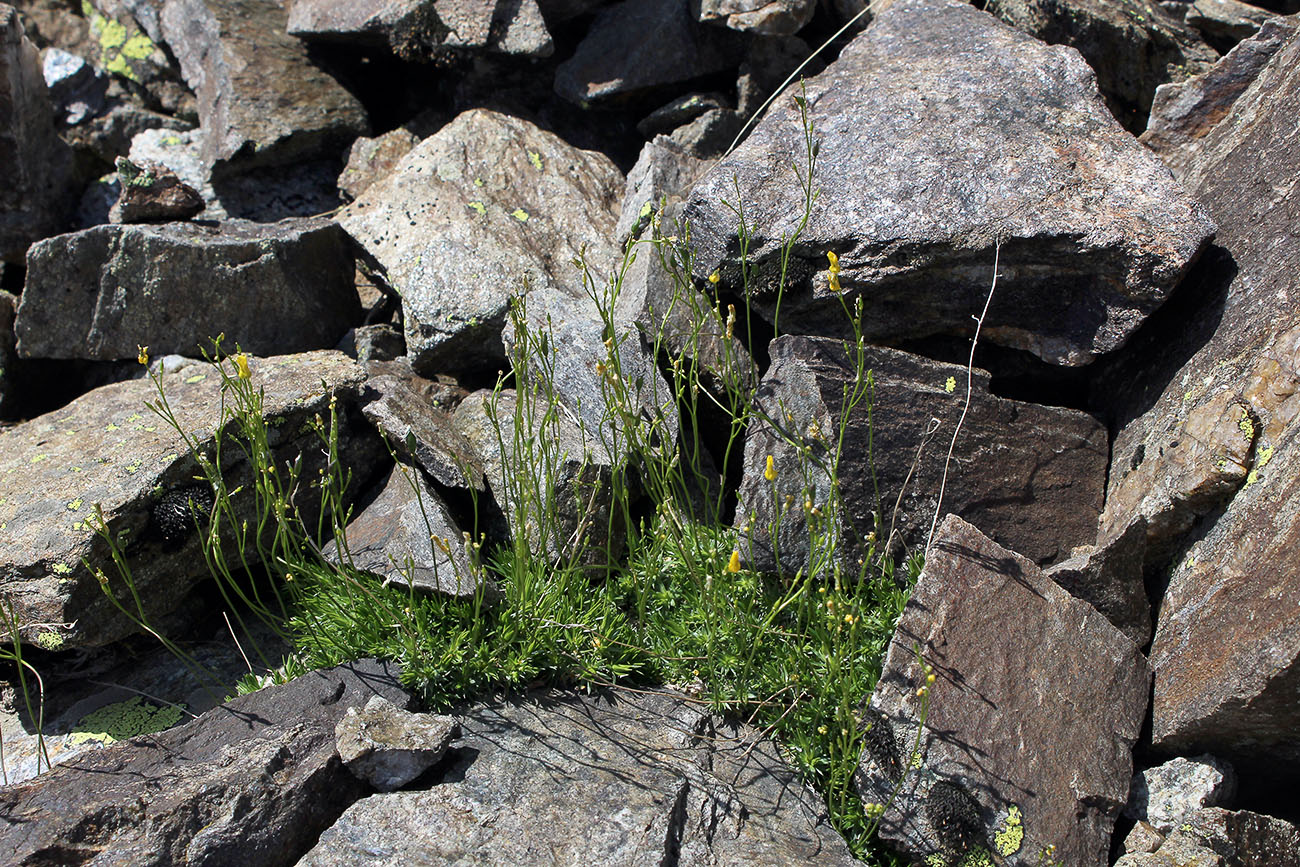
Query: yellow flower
pixel 834 260
pixel 733 565
pixel 770 472
pixel 241 366
pixel 715 277
pixel 143 357
pixel 835 283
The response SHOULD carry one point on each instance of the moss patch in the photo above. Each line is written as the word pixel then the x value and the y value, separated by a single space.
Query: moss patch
pixel 125 719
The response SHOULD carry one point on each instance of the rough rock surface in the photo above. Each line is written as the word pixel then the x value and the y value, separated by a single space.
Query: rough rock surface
pixel 1168 795
pixel 271 288
pixel 640 44
pixel 1038 494
pixel 611 779
pixel 1207 408
pixel 34 162
pixel 663 174
pixel 1015 658
pixel 1222 838
pixel 371 159
pixel 389 747
pixel 152 194
pixel 769 17
pixel 941 131
pixel 261 100
pixel 485 207
pixel 1226 19
pixel 106 449
pixel 1134 45
pixel 8 353
pixel 253 781
pixel 421 433
pixel 1110 578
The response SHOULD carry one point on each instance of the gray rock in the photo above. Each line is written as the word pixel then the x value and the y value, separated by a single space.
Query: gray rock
pixel 406 536
pixel 271 288
pixel 677 112
pixel 487 206
pixel 422 433
pixel 379 342
pixel 371 159
pixel 770 17
pixel 152 194
pixel 78 89
pixel 1213 837
pixel 1134 46
pixel 261 100
pixel 709 135
pixel 388 747
pixel 1006 762
pixel 254 781
pixel 640 44
pixel 1142 839
pixel 615 778
pixel 1037 493
pixel 107 450
pixel 1110 578
pixel 663 174
pixel 1229 20
pixel 765 68
pixel 8 354
pixel 1168 795
pixel 1094 232
pixel 35 165
pixel 128 51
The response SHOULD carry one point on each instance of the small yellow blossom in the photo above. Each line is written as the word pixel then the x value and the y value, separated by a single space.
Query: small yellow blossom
pixel 241 366
pixel 835 283
pixel 143 357
pixel 770 472
pixel 834 260
pixel 715 277
pixel 733 565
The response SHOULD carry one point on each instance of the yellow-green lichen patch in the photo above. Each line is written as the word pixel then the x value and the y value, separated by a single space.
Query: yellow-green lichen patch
pixel 1011 835
pixel 950 385
pixel 74 505
pixel 61 569
pixel 520 214
pixel 478 206
pixel 125 719
pixel 198 377
pixel 138 47
pixel 49 640
pixel 536 159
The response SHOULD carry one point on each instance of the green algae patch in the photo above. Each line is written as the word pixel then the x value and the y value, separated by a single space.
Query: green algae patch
pixel 123 720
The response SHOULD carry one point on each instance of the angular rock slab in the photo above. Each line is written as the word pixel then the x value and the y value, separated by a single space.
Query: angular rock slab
pixel 1214 837
pixel 270 288
pixel 485 207
pixel 389 747
pixel 941 131
pixel 35 164
pixel 1030 476
pixel 769 17
pixel 422 433
pixel 608 779
pixel 1033 714
pixel 1169 795
pixel 253 781
pixel 261 100
pixel 107 448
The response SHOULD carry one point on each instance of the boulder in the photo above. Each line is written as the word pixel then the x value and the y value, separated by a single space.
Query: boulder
pixel 1004 762
pixel 1134 46
pixel 636 45
pixel 1168 795
pixel 254 781
pixel 1029 476
pixel 106 450
pixel 769 17
pixel 421 432
pixel 1214 837
pixel 614 778
pixel 1110 578
pixel 128 45
pixel 942 132
pixel 1207 413
pixel 663 174
pixel 1226 20
pixel 484 208
pixel 371 159
pixel 35 165
pixel 8 354
pixel 271 288
pixel 152 194
pixel 388 747
pixel 262 101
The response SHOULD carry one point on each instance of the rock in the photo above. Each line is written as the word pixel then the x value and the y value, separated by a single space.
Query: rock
pixel 406 536
pixel 1133 45
pixel 34 163
pixel 78 89
pixel 153 194
pixel 254 781
pixel 1214 836
pixel 1004 756
pixel 765 68
pixel 388 747
pixel 107 450
pixel 709 135
pixel 371 159
pixel 271 288
pixel 422 433
pixel 770 17
pixel 8 354
pixel 1094 233
pixel 636 45
pixel 677 112
pixel 1168 795
pixel 555 11
pixel 1037 493
pixel 1143 838
pixel 615 778
pixel 262 102
pixel 663 175
pixel 425 29
pixel 379 342
pixel 1229 20
pixel 1110 578
pixel 1207 419
pixel 125 49
pixel 482 209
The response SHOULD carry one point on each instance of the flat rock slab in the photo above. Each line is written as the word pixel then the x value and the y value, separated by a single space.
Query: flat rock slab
pixel 261 99
pixel 107 448
pixel 942 131
pixel 254 781
pixel 270 288
pixel 485 207
pixel 608 779
pixel 1030 476
pixel 1031 720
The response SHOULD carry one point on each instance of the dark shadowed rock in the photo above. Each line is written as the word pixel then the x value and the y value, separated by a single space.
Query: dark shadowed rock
pixel 261 100
pixel 107 449
pixel 616 778
pixel 152 194
pixel 371 159
pixel 663 174
pixel 1214 837
pixel 770 17
pixel 1029 476
pixel 1168 795
pixel 388 747
pixel 254 781
pixel 271 288
pixel 1228 20
pixel 422 432
pixel 8 354
pixel 35 164
pixel 1134 45
pixel 1110 578
pixel 1016 659
pixel 1208 424
pixel 941 131
pixel 640 44
pixel 484 208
